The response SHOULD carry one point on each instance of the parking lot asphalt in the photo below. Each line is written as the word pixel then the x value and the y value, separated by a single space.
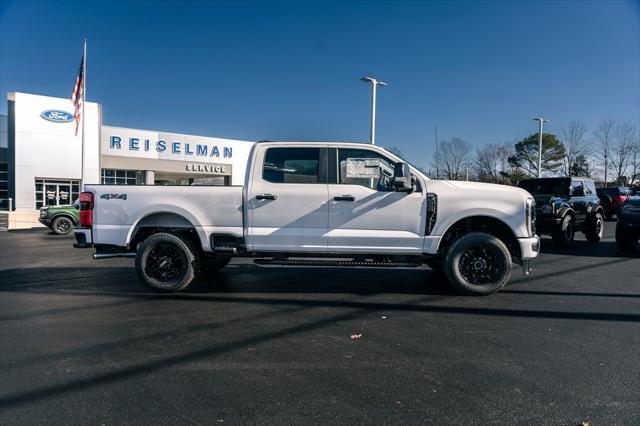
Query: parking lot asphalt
pixel 84 343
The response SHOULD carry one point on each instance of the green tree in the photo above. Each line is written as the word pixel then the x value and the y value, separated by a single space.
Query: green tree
pixel 526 156
pixel 580 167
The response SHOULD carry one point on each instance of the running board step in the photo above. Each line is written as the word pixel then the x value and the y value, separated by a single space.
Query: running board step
pixel 335 262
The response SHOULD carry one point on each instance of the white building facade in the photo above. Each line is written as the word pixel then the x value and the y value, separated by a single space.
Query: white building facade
pixel 43 156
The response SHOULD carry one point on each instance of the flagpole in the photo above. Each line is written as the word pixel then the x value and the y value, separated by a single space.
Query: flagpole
pixel 84 99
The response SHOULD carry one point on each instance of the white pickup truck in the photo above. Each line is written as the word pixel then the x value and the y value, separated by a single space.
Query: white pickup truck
pixel 313 203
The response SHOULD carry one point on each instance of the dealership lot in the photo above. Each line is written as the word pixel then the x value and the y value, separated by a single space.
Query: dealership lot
pixel 84 342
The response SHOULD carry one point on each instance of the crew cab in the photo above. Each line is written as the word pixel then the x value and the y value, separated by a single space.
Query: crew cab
pixel 314 203
pixel 565 205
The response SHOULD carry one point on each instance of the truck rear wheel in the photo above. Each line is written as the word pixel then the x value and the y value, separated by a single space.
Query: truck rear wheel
pixel 595 228
pixel 563 234
pixel 166 263
pixel 477 264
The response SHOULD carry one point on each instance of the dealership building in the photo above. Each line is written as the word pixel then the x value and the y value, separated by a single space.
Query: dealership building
pixel 41 156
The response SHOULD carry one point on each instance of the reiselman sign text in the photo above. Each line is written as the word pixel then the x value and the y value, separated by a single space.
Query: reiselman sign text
pixel 171 147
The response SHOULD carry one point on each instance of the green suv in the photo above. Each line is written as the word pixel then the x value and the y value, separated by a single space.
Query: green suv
pixel 61 219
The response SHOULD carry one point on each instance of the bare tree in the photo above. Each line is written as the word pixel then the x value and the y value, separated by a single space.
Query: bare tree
pixel 575 144
pixel 454 158
pixel 622 149
pixel 492 162
pixel 603 139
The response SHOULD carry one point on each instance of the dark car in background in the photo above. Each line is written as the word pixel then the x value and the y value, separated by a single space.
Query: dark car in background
pixel 612 199
pixel 628 226
pixel 60 219
pixel 565 205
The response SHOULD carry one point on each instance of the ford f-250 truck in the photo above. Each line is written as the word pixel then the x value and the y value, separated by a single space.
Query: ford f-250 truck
pixel 312 203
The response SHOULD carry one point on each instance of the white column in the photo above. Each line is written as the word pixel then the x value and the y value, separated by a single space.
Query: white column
pixel 149 177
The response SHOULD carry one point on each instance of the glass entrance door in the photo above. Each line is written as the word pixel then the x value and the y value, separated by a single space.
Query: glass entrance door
pixel 57 195
pixel 64 193
pixel 50 192
pixel 51 195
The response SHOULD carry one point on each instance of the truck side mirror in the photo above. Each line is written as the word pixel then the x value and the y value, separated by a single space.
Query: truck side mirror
pixel 402 178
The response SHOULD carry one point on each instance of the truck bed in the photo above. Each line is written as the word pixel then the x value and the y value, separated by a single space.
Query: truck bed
pixel 210 209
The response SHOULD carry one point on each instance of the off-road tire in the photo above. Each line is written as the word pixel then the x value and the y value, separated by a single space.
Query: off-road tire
pixel 606 202
pixel 62 225
pixel 626 243
pixel 563 234
pixel 483 251
pixel 151 266
pixel 595 228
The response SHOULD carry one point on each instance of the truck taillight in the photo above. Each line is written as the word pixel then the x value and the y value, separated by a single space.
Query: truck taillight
pixel 86 209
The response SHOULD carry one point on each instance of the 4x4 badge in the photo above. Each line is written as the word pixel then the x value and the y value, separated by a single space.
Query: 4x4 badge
pixel 116 196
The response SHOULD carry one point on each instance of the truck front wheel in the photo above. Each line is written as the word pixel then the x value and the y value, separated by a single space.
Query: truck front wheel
pixel 62 225
pixel 166 263
pixel 477 264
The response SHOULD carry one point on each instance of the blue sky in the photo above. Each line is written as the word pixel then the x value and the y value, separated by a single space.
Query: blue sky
pixel 290 70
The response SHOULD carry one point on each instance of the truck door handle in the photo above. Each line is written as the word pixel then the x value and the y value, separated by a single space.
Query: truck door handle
pixel 344 198
pixel 266 197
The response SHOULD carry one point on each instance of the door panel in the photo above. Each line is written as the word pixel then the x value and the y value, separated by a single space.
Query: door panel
pixel 376 221
pixel 287 205
pixel 366 215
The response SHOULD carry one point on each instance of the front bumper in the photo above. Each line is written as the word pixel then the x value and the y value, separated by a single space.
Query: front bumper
pixel 84 238
pixel 45 221
pixel 529 247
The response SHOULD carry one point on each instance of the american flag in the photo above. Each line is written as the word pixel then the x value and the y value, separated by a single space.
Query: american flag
pixel 77 97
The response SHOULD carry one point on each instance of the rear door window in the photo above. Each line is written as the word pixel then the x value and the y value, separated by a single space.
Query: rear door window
pixel 292 165
pixel 589 187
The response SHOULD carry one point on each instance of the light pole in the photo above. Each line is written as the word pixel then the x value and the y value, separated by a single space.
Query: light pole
pixel 374 84
pixel 541 121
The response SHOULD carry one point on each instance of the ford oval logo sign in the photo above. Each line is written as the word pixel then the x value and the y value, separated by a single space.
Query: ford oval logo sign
pixel 57 116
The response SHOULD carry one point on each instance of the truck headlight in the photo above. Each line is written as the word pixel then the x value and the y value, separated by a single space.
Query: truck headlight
pixel 530 216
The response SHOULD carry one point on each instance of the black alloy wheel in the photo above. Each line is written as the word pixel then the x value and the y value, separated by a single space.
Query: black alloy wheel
pixel 166 263
pixel 478 265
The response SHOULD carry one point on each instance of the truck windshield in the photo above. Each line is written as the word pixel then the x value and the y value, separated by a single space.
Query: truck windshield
pixel 546 186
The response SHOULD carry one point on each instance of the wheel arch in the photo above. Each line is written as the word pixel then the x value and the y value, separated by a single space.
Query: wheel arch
pixel 67 215
pixel 481 223
pixel 155 222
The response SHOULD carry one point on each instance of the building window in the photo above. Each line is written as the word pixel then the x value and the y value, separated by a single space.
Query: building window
pixel 4 185
pixel 56 192
pixel 121 177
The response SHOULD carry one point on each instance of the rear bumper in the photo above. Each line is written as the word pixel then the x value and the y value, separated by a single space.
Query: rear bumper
pixel 84 239
pixel 529 247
